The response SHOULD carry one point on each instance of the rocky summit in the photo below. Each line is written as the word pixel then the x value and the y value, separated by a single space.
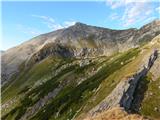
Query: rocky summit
pixel 84 72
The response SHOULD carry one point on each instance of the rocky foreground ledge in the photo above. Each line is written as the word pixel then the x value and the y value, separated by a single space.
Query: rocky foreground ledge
pixel 116 113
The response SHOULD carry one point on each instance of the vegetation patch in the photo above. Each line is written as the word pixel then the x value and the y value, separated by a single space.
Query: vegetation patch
pixel 150 105
pixel 69 101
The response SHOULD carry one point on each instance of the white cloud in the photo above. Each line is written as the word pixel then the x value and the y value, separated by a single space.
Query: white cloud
pixel 149 19
pixel 49 19
pixel 69 23
pixel 52 24
pixel 119 3
pixel 114 16
pixel 28 30
pixel 158 9
pixel 134 10
pixel 55 26
pixel 115 4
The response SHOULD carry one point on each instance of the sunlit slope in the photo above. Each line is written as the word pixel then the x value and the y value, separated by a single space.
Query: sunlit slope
pixel 68 88
pixel 79 83
pixel 147 97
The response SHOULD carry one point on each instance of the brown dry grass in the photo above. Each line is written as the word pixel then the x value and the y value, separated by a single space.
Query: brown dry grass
pixel 116 113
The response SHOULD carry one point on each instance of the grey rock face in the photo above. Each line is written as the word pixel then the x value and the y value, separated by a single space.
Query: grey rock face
pixel 122 95
pixel 78 40
pixel 155 70
pixel 50 50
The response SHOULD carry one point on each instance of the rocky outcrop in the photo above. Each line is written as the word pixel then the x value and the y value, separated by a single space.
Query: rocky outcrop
pixel 37 106
pixel 155 70
pixel 9 103
pixel 50 50
pixel 148 31
pixel 122 95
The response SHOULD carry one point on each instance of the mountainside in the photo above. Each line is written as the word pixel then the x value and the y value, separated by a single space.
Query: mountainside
pixel 84 72
pixel 82 40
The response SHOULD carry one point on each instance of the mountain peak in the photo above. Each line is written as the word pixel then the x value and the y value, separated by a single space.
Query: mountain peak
pixel 79 23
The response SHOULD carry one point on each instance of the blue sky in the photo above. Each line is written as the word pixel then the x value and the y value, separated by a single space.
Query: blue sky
pixel 22 21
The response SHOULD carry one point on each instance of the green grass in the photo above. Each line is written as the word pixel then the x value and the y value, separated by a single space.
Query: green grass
pixel 73 98
pixel 147 97
pixel 43 89
pixel 39 71
pixel 150 102
pixel 40 90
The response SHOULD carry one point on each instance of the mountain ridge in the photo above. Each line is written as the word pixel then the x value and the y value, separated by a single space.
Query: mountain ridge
pixel 80 23
pixel 79 36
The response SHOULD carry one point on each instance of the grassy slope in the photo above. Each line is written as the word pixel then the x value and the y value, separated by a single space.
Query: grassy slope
pixel 110 82
pixel 37 72
pixel 151 98
pixel 70 100
pixel 40 71
pixel 149 102
pixel 75 98
pixel 147 97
